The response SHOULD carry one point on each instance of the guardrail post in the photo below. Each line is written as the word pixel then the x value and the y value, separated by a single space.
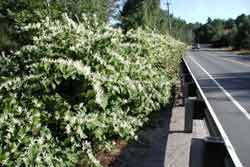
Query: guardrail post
pixel 189 89
pixel 199 109
pixel 209 152
pixel 186 81
pixel 215 152
pixel 194 109
pixel 183 68
pixel 197 153
pixel 189 108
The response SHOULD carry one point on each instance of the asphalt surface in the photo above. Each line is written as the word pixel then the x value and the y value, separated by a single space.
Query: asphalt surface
pixel 224 79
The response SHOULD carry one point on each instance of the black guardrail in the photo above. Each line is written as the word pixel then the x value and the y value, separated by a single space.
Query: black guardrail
pixel 210 151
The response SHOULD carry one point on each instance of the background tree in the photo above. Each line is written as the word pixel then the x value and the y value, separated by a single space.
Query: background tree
pixel 242 37
pixel 16 13
pixel 231 32
pixel 148 14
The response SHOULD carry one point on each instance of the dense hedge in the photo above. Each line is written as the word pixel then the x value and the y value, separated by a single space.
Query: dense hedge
pixel 78 88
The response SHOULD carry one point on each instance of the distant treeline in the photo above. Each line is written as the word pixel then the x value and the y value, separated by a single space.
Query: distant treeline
pixel 231 32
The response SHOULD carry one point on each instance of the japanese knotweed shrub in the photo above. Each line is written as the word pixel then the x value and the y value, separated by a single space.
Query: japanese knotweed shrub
pixel 77 88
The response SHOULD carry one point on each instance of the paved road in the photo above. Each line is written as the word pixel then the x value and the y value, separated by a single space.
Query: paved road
pixel 224 80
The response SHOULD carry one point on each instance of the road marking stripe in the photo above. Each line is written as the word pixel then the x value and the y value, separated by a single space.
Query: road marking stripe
pixel 232 61
pixel 235 61
pixel 228 143
pixel 235 102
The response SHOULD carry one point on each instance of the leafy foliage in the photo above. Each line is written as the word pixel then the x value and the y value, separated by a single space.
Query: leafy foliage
pixel 16 13
pixel 78 87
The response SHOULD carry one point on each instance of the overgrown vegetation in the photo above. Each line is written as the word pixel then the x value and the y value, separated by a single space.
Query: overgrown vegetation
pixel 17 13
pixel 71 85
pixel 78 87
pixel 231 32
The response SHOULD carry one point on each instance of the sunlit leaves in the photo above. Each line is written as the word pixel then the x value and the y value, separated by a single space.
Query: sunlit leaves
pixel 78 87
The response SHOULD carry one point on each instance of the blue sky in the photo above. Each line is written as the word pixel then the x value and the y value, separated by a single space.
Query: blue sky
pixel 200 10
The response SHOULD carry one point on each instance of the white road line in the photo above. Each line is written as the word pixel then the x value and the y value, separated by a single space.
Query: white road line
pixel 229 60
pixel 228 143
pixel 235 102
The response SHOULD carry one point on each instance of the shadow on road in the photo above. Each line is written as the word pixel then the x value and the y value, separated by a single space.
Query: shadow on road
pixel 243 58
pixel 235 83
